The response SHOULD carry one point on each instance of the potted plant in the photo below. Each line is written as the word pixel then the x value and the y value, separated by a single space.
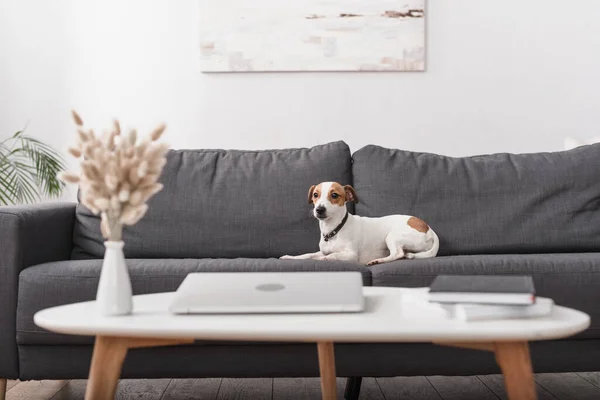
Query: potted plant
pixel 28 170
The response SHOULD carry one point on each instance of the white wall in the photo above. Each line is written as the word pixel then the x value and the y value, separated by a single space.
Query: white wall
pixel 507 75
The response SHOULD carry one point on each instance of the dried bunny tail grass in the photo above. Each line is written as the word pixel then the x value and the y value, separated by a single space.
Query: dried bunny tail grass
pixel 83 137
pixel 141 212
pixel 91 171
pixel 117 127
pixel 132 214
pixel 144 193
pixel 111 182
pixel 102 203
pixel 98 155
pixel 133 177
pixel 155 150
pixel 68 177
pixel 76 118
pixel 119 174
pixel 88 150
pixel 142 169
pixel 157 166
pixel 115 203
pixel 124 192
pixel 104 226
pixel 74 151
pixel 128 214
pixel 113 168
pixel 157 132
pixel 109 140
pixel 148 180
pixel 96 188
pixel 136 198
pixel 132 138
pixel 89 203
pixel 141 148
pixel 121 143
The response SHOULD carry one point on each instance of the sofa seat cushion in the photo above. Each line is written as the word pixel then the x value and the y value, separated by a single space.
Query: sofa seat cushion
pixel 58 283
pixel 491 204
pixel 227 203
pixel 572 280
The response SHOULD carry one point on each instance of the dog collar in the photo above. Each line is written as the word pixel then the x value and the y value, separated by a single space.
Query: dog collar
pixel 337 229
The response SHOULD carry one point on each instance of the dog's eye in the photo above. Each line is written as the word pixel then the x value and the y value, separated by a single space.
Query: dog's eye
pixel 334 195
pixel 316 195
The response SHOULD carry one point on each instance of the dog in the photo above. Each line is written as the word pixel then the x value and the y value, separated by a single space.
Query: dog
pixel 370 241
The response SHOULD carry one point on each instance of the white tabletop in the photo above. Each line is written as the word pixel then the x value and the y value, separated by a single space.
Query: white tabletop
pixel 386 319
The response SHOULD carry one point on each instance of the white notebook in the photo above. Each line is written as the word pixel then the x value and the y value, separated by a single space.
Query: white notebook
pixel 418 297
pixel 480 312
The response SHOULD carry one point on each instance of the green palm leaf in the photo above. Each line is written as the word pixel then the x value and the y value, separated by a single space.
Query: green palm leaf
pixel 28 169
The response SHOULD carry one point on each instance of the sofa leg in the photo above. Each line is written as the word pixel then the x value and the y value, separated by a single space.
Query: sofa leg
pixel 2 389
pixel 352 388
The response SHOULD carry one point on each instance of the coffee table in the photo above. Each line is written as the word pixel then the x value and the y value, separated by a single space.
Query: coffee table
pixel 386 319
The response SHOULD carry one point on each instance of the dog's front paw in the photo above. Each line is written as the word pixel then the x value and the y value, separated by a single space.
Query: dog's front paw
pixel 286 257
pixel 373 262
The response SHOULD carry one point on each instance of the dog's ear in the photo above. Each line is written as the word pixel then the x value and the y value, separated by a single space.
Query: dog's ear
pixel 350 194
pixel 310 194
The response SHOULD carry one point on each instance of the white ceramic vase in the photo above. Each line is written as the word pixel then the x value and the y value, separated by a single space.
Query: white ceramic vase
pixel 114 295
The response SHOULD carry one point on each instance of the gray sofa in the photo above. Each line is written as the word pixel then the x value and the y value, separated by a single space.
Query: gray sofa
pixel 536 214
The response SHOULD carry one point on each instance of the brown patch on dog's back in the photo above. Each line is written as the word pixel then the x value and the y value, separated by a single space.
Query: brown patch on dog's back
pixel 417 224
pixel 338 189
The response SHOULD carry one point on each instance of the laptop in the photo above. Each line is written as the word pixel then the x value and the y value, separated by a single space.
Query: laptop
pixel 281 292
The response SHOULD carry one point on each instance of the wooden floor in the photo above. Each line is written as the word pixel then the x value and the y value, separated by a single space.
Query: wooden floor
pixel 568 386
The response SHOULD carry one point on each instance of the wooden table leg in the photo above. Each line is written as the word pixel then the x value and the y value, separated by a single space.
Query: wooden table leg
pixel 327 370
pixel 2 389
pixel 515 363
pixel 107 361
pixel 513 358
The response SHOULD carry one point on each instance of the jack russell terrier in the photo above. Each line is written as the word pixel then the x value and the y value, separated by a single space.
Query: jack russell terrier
pixel 364 240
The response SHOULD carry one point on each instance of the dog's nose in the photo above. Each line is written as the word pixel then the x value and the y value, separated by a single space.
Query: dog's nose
pixel 320 210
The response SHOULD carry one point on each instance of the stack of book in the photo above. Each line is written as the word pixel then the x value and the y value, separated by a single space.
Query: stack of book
pixel 487 297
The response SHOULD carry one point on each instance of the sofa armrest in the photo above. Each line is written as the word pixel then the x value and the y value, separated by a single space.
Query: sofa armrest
pixel 29 235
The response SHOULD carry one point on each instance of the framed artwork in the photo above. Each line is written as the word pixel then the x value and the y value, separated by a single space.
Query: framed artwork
pixel 312 35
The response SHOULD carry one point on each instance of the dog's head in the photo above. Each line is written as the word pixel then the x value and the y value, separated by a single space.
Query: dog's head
pixel 329 198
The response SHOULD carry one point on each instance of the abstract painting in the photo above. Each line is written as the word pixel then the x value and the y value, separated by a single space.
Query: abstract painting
pixel 312 35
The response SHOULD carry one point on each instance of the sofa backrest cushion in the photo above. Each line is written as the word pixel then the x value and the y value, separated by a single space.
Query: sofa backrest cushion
pixel 227 204
pixel 498 203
